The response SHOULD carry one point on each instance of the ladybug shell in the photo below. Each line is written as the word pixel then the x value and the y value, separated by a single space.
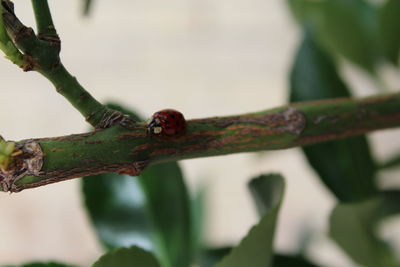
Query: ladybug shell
pixel 171 122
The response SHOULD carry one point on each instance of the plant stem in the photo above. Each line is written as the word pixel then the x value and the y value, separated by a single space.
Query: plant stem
pixel 8 47
pixel 44 22
pixel 42 54
pixel 129 149
pixel 69 87
pixel 87 5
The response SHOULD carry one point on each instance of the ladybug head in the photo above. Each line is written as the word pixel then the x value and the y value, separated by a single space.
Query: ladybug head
pixel 154 125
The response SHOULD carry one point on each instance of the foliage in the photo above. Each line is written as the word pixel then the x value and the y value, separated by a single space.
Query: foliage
pixel 127 257
pixel 256 248
pixel 346 166
pixel 151 220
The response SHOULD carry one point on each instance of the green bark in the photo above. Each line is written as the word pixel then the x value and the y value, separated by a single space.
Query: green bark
pixel 43 17
pixel 41 53
pixel 69 87
pixel 129 148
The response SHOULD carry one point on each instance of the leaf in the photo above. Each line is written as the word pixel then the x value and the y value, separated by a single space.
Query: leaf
pixel 117 207
pixel 314 75
pixel 393 162
pixel 391 200
pixel 48 264
pixel 87 7
pixel 389 21
pixel 281 260
pixel 256 249
pixel 346 27
pixel 345 166
pixel 211 256
pixel 265 196
pixel 352 226
pixel 266 191
pixel 168 204
pixel 306 12
pixel 127 257
pixel 152 211
pixel 197 218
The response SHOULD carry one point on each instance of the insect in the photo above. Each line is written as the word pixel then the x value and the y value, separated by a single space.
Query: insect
pixel 167 122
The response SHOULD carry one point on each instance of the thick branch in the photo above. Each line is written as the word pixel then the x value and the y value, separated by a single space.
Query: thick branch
pixel 129 148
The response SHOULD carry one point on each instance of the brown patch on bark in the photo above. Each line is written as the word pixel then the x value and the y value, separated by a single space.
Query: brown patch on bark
pixel 290 120
pixel 132 135
pixel 29 63
pixel 57 150
pixel 62 175
pixel 134 169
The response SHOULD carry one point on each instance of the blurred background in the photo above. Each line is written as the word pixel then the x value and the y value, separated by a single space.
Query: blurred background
pixel 204 58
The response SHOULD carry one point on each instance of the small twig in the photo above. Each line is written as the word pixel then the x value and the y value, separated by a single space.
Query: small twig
pixel 44 21
pixel 7 46
pixel 68 86
pixel 42 54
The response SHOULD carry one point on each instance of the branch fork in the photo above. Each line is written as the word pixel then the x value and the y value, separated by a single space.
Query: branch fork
pixel 28 162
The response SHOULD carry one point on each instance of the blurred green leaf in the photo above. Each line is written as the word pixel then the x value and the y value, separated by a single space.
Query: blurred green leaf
pixel 87 7
pixel 256 249
pixel 127 257
pixel 265 196
pixel 389 19
pixel 281 260
pixel 266 191
pixel 393 162
pixel 353 225
pixel 314 75
pixel 391 200
pixel 345 166
pixel 211 256
pixel 197 209
pixel 346 27
pixel 306 12
pixel 117 207
pixel 47 264
pixel 151 211
pixel 168 204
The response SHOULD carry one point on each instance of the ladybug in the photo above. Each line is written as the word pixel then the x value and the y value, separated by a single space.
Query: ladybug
pixel 167 122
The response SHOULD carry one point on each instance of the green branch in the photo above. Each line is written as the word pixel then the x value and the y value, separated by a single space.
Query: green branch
pixel 130 148
pixel 42 54
pixel 69 87
pixel 44 21
pixel 7 46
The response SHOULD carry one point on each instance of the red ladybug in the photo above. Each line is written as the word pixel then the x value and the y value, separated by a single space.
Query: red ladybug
pixel 167 122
